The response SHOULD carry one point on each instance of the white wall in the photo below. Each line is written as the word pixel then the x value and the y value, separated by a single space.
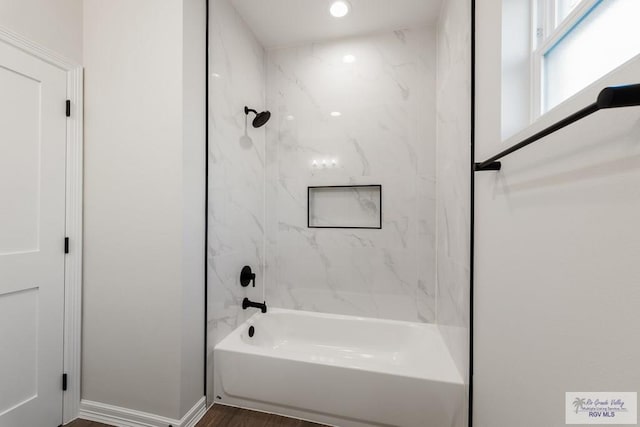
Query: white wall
pixel 144 213
pixel 556 253
pixel 385 135
pixel 194 21
pixel 236 173
pixel 516 66
pixel 54 24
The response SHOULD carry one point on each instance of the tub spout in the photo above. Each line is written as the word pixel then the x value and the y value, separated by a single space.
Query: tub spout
pixel 246 303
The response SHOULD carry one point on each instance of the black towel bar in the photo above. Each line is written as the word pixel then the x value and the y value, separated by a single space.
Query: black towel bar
pixel 610 97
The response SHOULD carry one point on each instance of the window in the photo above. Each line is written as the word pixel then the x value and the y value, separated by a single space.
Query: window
pixel 577 42
pixel 564 8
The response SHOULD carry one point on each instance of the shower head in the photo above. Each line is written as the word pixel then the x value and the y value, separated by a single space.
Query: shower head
pixel 261 118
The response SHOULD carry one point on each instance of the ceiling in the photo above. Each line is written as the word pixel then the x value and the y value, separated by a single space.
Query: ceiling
pixel 289 22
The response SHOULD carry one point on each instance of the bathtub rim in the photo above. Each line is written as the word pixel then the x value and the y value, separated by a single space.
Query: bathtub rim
pixel 233 343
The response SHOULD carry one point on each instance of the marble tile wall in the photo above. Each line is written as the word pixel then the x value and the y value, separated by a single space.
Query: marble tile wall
pixel 236 173
pixel 359 110
pixel 453 181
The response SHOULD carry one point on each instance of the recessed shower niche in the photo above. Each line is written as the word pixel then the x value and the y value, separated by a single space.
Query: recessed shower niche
pixel 344 206
pixel 381 95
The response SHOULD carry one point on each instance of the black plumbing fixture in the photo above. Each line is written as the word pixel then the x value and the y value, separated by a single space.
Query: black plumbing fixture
pixel 261 118
pixel 246 277
pixel 246 303
pixel 252 331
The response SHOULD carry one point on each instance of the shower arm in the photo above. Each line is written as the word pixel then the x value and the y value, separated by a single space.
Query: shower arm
pixel 609 97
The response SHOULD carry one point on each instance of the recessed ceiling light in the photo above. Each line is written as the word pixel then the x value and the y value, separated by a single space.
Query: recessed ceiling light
pixel 336 114
pixel 339 8
pixel 349 59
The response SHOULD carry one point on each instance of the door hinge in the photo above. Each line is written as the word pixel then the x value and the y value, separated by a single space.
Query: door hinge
pixel 68 108
pixel 64 382
pixel 66 245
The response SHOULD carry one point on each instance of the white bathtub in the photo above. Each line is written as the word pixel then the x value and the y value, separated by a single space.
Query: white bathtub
pixel 340 370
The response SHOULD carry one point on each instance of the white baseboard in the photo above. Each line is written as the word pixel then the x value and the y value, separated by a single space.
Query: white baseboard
pixel 123 417
pixel 195 414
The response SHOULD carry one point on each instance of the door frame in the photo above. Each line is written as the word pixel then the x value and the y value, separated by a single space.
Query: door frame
pixel 73 215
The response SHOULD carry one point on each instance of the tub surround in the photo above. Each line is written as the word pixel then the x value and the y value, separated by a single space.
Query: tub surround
pixel 365 106
pixel 453 179
pixel 236 173
pixel 352 111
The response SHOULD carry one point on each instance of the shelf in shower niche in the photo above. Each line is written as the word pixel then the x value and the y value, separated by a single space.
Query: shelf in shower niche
pixel 344 206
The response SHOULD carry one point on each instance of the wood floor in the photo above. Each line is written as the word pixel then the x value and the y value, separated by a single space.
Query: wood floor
pixel 226 416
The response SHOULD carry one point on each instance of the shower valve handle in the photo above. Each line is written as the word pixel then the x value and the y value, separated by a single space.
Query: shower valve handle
pixel 246 277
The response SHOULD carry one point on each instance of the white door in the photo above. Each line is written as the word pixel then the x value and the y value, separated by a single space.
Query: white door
pixel 32 227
